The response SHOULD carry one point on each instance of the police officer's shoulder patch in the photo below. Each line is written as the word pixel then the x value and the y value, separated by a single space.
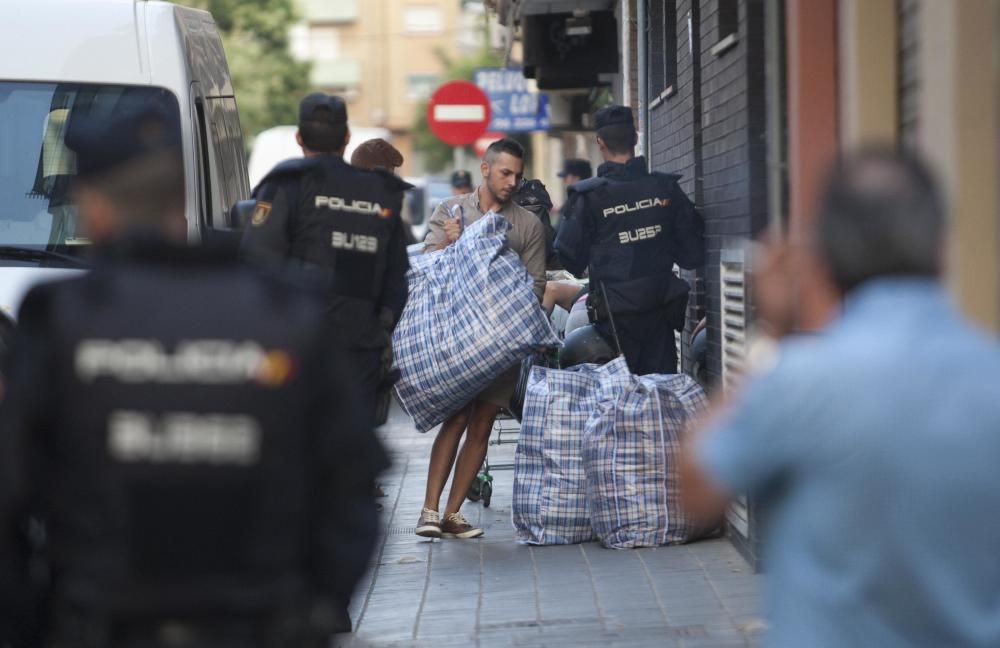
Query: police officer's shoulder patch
pixel 260 213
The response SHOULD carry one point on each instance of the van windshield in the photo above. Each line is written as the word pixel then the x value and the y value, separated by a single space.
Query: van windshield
pixel 37 214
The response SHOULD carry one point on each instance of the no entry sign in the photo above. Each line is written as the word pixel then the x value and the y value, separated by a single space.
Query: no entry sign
pixel 458 113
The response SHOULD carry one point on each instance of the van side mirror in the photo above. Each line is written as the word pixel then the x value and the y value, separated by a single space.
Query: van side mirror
pixel 241 212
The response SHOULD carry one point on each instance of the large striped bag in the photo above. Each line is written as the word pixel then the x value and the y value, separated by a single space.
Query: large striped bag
pixel 550 486
pixel 631 455
pixel 471 314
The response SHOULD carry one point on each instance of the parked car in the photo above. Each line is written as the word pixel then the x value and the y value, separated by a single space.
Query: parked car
pixel 422 200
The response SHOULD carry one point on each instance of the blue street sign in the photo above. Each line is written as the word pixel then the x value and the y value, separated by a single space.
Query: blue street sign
pixel 515 109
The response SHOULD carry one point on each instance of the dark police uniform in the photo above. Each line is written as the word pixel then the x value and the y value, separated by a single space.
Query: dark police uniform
pixel 629 227
pixel 180 462
pixel 341 225
pixel 180 427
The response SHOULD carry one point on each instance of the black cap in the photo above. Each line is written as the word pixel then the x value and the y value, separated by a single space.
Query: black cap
pixel 613 114
pixel 323 109
pixel 461 179
pixel 104 143
pixel 576 167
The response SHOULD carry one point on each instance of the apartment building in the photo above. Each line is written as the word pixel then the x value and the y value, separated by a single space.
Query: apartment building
pixel 384 56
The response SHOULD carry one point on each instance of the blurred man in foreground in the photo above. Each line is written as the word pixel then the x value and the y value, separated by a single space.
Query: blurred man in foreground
pixel 179 449
pixel 502 169
pixel 873 446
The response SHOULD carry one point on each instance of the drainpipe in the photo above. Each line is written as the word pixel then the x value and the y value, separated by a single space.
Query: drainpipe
pixel 642 48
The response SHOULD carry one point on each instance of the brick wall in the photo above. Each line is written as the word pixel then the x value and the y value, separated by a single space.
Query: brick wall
pixel 675 130
pixel 712 129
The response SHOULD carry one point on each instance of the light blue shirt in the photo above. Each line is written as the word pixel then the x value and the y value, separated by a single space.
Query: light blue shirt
pixel 876 447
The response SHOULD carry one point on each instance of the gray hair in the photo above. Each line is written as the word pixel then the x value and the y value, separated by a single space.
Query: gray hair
pixel 881 214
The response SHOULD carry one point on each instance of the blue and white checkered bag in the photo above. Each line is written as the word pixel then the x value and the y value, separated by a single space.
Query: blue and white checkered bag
pixel 550 486
pixel 631 453
pixel 472 314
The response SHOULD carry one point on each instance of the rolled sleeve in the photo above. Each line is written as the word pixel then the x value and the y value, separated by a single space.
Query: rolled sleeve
pixel 533 256
pixel 435 228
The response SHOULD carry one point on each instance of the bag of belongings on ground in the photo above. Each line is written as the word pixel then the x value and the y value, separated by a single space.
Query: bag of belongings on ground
pixel 471 315
pixel 631 455
pixel 550 487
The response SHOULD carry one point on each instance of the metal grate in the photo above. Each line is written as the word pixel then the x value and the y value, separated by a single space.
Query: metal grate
pixel 734 342
pixel 734 317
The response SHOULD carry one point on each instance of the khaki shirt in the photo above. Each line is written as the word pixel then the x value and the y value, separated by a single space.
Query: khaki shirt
pixel 526 236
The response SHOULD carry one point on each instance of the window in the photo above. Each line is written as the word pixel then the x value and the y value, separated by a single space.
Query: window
pixel 331 10
pixel 298 42
pixel 663 51
pixel 728 17
pixel 670 44
pixel 324 43
pixel 420 85
pixel 36 167
pixel 423 20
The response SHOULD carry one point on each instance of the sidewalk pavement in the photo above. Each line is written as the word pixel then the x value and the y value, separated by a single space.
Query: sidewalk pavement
pixel 494 592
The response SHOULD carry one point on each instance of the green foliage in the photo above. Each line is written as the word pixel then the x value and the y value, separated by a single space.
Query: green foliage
pixel 437 154
pixel 269 83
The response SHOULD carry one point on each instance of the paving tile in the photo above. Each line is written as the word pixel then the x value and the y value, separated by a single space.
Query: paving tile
pixel 494 592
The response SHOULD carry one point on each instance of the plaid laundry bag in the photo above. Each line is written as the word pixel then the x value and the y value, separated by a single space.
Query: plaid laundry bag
pixel 631 452
pixel 550 487
pixel 471 315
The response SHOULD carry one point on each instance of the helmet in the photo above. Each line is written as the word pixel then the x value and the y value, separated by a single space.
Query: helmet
pixel 584 345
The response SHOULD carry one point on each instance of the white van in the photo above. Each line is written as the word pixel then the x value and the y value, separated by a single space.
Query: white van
pixel 65 56
pixel 277 144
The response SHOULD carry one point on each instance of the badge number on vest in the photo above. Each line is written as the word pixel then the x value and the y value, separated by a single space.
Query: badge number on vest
pixel 354 242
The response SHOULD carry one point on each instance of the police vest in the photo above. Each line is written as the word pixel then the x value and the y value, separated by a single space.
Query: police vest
pixel 341 220
pixel 178 458
pixel 630 226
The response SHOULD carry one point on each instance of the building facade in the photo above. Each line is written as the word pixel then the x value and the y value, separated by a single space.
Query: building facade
pixel 385 56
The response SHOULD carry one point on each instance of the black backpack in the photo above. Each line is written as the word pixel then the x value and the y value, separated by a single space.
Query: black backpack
pixel 533 196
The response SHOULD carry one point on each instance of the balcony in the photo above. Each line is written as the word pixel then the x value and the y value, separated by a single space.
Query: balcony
pixel 325 11
pixel 341 73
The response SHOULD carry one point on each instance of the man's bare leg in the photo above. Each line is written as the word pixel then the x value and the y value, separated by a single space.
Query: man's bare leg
pixel 470 459
pixel 559 293
pixel 443 456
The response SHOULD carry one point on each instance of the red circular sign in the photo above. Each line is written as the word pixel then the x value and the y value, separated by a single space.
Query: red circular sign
pixel 484 140
pixel 458 113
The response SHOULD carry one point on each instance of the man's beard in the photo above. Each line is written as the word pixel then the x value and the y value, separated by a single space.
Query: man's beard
pixel 497 197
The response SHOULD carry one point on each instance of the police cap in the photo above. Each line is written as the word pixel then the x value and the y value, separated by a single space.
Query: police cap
pixel 613 114
pixel 461 179
pixel 576 167
pixel 320 108
pixel 103 143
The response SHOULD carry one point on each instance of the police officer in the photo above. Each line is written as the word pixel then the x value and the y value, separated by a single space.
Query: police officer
pixel 628 227
pixel 177 446
pixel 461 183
pixel 342 224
